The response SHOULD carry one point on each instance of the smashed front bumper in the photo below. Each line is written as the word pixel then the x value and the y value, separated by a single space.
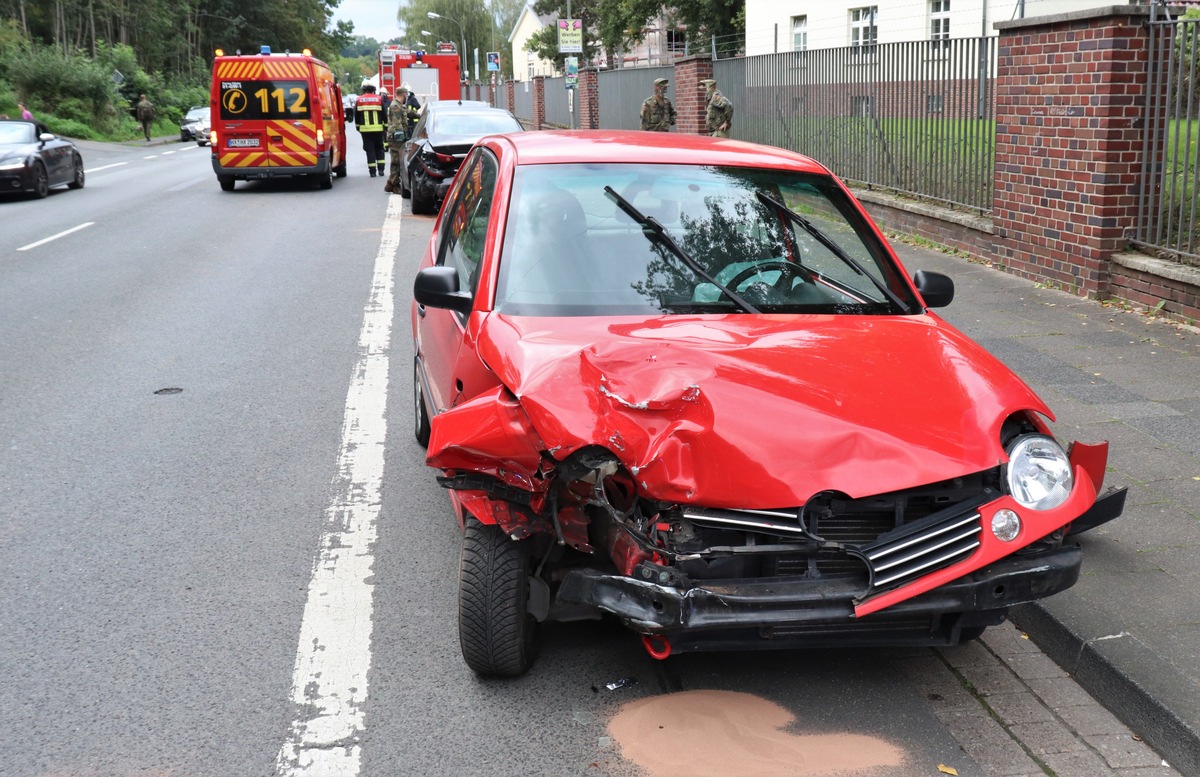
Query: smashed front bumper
pixel 738 613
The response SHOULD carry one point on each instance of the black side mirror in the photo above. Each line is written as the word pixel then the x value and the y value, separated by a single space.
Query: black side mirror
pixel 437 287
pixel 936 289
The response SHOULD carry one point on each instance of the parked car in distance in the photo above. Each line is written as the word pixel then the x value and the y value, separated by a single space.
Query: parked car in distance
pixel 33 159
pixel 444 134
pixel 195 125
pixel 686 382
pixel 348 102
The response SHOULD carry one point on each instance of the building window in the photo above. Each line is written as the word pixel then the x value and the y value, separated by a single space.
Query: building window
pixel 677 41
pixel 939 24
pixel 799 33
pixel 862 106
pixel 532 65
pixel 864 33
pixel 933 103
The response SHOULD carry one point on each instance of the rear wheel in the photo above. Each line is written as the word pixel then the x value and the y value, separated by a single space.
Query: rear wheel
pixel 78 178
pixel 41 181
pixel 497 634
pixel 420 414
pixel 226 182
pixel 325 180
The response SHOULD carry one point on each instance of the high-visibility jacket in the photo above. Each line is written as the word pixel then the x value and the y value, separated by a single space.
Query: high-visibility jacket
pixel 368 113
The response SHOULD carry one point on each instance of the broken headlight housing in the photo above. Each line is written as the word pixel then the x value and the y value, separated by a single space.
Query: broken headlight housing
pixel 1038 473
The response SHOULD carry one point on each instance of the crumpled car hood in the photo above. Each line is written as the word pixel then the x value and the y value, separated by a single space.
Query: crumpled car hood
pixel 753 411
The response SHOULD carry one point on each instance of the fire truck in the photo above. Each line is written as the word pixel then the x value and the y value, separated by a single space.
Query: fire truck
pixel 432 76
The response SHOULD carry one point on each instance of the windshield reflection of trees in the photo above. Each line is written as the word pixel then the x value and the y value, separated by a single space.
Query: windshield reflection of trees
pixel 730 232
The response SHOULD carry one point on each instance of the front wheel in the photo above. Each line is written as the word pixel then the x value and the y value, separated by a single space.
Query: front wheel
pixel 496 632
pixel 41 181
pixel 422 199
pixel 77 180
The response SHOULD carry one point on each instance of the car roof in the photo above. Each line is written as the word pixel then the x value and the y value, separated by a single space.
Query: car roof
pixel 637 147
pixel 466 105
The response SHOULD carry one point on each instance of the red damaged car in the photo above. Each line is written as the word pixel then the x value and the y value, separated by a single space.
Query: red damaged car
pixel 686 382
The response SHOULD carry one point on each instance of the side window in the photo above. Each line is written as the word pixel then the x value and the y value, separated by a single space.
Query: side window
pixel 466 221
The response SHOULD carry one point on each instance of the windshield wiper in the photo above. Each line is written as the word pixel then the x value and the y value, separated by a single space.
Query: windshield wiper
pixel 837 251
pixel 657 233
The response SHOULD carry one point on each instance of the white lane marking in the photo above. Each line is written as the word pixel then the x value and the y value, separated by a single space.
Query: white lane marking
pixel 152 156
pixel 105 167
pixel 329 682
pixel 43 241
pixel 183 186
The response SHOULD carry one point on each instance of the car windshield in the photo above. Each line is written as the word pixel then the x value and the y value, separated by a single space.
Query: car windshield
pixel 478 124
pixel 195 114
pixel 783 242
pixel 16 132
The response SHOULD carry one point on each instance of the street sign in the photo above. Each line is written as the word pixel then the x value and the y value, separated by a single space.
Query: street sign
pixel 570 36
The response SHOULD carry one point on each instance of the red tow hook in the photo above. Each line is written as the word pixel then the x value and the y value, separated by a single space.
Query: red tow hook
pixel 657 645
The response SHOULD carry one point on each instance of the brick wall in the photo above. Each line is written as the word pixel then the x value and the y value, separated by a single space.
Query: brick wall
pixel 1069 96
pixel 689 96
pixel 539 102
pixel 588 92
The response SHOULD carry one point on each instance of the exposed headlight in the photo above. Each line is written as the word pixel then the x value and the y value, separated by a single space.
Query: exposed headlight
pixel 11 165
pixel 1006 525
pixel 1039 472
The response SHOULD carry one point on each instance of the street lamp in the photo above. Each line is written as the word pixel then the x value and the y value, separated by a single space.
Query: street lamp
pixel 463 53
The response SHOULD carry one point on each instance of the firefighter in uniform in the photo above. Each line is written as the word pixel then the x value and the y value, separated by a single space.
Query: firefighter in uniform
pixel 400 113
pixel 658 115
pixel 719 115
pixel 368 120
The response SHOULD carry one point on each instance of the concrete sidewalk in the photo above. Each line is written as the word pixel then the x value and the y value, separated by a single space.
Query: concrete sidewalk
pixel 1129 631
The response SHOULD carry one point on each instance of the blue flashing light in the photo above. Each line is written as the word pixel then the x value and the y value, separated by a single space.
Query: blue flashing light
pixel 264 50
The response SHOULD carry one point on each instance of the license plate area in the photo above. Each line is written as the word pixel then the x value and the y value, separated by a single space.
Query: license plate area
pixel 241 143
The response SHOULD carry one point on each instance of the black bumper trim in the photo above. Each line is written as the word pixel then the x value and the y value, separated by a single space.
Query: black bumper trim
pixel 778 602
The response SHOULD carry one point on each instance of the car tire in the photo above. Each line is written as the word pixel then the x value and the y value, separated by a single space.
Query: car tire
pixel 325 180
pixel 226 181
pixel 404 191
pixel 422 200
pixel 340 170
pixel 420 412
pixel 41 181
pixel 496 632
pixel 77 180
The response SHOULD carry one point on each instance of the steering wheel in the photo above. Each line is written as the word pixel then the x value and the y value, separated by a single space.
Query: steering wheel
pixel 788 272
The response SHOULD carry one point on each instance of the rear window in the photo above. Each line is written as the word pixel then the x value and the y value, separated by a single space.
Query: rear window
pixel 270 99
pixel 473 123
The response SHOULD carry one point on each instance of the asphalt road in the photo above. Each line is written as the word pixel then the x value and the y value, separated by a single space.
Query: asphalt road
pixel 192 385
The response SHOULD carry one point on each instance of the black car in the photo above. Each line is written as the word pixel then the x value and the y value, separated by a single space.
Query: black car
pixel 440 142
pixel 32 159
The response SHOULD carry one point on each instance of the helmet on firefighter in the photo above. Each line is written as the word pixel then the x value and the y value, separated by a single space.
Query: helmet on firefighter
pixel 383 90
pixel 406 86
pixel 368 87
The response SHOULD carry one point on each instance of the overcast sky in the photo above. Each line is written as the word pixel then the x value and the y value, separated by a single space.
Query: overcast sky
pixel 372 18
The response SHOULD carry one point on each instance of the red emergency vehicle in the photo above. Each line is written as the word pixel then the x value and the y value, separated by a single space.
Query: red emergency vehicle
pixel 276 115
pixel 432 76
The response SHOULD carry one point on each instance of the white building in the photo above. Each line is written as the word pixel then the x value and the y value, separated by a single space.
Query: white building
pixel 796 25
pixel 661 45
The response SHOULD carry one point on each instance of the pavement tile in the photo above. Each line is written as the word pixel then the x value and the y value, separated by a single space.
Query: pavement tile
pixel 1047 737
pixel 1090 720
pixel 1006 639
pixel 1034 666
pixel 1146 771
pixel 1123 751
pixel 982 738
pixel 1059 692
pixel 972 653
pixel 1023 707
pixel 987 680
pixel 1077 764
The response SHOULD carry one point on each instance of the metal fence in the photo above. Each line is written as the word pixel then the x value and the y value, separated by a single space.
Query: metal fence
pixel 523 101
pixel 559 104
pixel 1166 224
pixel 917 118
pixel 623 91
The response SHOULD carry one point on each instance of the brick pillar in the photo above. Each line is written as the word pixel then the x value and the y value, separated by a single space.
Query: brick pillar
pixel 689 95
pixel 1070 90
pixel 510 96
pixel 588 92
pixel 539 102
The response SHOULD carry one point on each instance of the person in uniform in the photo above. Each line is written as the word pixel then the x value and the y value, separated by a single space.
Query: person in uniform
pixel 719 115
pixel 658 115
pixel 400 113
pixel 368 120
pixel 145 115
